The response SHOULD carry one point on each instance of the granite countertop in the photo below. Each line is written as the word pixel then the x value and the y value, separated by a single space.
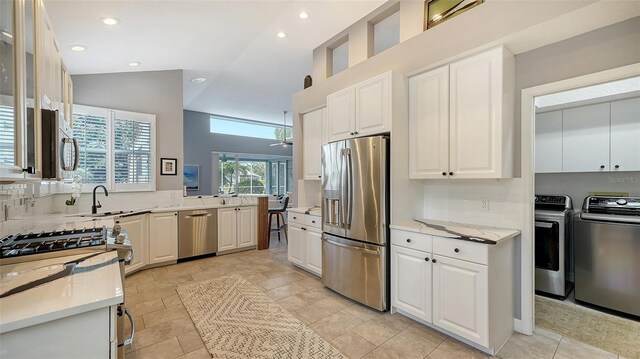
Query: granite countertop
pixel 462 231
pixel 40 291
pixel 314 211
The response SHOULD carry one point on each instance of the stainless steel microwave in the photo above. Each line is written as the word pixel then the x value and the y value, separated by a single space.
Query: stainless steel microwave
pixel 60 151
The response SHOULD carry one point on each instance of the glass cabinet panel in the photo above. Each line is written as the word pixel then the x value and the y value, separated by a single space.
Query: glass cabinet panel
pixel 7 84
pixel 29 47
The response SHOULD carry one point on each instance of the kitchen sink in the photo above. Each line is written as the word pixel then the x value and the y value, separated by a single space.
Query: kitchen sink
pixel 106 214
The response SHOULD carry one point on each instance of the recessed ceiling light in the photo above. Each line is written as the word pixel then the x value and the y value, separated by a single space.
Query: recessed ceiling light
pixel 281 35
pixel 303 15
pixel 109 20
pixel 197 80
pixel 7 34
pixel 78 48
pixel 134 64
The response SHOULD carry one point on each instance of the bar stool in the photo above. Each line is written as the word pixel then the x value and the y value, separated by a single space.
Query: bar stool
pixel 279 212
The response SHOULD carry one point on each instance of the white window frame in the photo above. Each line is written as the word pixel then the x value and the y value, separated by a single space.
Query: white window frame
pixel 111 115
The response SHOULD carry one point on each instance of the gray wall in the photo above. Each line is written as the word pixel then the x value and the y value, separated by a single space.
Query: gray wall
pixel 199 142
pixel 154 92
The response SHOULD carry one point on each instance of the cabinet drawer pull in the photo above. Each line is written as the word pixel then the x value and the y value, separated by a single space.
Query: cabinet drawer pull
pixel 434 260
pixel 456 250
pixel 450 173
pixel 617 166
pixel 601 166
pixel 444 173
pixel 426 259
pixel 313 221
pixel 408 240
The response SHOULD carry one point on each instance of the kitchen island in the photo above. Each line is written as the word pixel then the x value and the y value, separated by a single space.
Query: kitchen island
pixel 64 305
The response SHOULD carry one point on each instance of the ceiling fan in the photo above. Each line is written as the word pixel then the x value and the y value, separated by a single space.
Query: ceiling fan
pixel 283 142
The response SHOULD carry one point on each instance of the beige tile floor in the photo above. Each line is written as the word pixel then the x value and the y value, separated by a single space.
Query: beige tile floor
pixel 164 329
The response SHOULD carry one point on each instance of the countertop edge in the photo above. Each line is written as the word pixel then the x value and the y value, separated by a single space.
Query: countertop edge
pixel 303 210
pixel 512 233
pixel 59 314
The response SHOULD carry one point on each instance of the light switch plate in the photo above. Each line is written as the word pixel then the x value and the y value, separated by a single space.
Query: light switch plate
pixel 484 204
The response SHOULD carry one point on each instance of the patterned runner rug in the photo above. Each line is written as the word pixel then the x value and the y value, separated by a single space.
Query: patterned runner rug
pixel 608 332
pixel 236 320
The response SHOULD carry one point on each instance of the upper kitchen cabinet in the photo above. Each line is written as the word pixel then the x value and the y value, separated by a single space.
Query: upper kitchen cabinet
pixel 363 109
pixel 461 118
pixel 625 135
pixel 18 126
pixel 313 137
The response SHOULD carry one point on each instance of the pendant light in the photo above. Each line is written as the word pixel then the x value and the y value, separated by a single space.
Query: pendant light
pixel 283 142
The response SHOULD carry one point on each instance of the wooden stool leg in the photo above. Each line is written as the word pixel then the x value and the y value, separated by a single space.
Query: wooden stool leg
pixel 286 228
pixel 269 228
pixel 278 223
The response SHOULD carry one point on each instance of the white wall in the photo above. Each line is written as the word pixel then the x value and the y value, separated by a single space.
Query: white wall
pixel 154 92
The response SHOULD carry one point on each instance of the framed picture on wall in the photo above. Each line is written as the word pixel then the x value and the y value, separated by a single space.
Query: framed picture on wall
pixel 168 166
pixel 192 177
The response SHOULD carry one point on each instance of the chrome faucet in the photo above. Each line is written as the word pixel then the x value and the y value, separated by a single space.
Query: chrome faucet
pixel 94 207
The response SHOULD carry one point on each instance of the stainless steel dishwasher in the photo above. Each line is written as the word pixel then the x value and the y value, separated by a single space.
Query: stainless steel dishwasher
pixel 197 232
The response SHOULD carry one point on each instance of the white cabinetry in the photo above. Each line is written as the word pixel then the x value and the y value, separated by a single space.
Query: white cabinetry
pixel 460 298
pixel 314 134
pixel 411 281
pixel 305 242
pixel 137 230
pixel 625 135
pixel 236 228
pixel 163 237
pixel 585 138
pixel 548 142
pixel 462 288
pixel 363 109
pixel 468 105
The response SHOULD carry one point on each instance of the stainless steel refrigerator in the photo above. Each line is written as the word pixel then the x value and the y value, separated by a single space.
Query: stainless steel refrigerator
pixel 355 219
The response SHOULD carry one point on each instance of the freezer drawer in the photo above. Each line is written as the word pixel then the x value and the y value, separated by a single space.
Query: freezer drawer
pixel 197 233
pixel 356 270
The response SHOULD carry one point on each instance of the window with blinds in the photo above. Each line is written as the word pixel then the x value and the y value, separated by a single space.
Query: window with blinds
pixel 7 149
pixel 117 148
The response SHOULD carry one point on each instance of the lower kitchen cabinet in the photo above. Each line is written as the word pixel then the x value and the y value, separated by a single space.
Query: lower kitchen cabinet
pixel 461 288
pixel 137 230
pixel 305 242
pixel 460 298
pixel 411 281
pixel 236 228
pixel 163 237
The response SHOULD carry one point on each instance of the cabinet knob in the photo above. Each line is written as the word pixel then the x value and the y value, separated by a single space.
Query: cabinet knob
pixel 444 173
pixel 601 166
pixel 617 166
pixel 319 176
pixel 313 221
pixel 456 250
pixel 426 259
pixel 434 260
pixel 355 133
pixel 295 217
pixel 450 173
pixel 352 133
pixel 408 240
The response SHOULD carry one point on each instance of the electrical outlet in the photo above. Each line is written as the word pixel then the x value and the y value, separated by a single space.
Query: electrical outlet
pixel 484 204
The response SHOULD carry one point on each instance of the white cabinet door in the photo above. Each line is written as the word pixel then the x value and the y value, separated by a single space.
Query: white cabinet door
pixel 163 237
pixel 373 106
pixel 246 218
pixel 476 116
pixel 137 230
pixel 461 298
pixel 341 114
pixel 314 251
pixel 548 142
pixel 227 229
pixel 411 281
pixel 312 142
pixel 585 139
pixel 625 135
pixel 429 124
pixel 296 246
pixel 324 137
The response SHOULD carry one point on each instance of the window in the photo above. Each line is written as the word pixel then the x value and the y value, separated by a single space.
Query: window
pixel 253 174
pixel 247 128
pixel 117 148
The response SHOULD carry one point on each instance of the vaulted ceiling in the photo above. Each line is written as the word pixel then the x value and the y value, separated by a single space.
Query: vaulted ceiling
pixel 250 72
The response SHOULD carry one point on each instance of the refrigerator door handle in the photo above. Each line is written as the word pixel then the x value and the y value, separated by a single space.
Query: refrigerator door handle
pixel 349 187
pixel 343 187
pixel 369 251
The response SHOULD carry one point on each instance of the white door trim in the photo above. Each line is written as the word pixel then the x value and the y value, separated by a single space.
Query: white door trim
pixel 527 322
